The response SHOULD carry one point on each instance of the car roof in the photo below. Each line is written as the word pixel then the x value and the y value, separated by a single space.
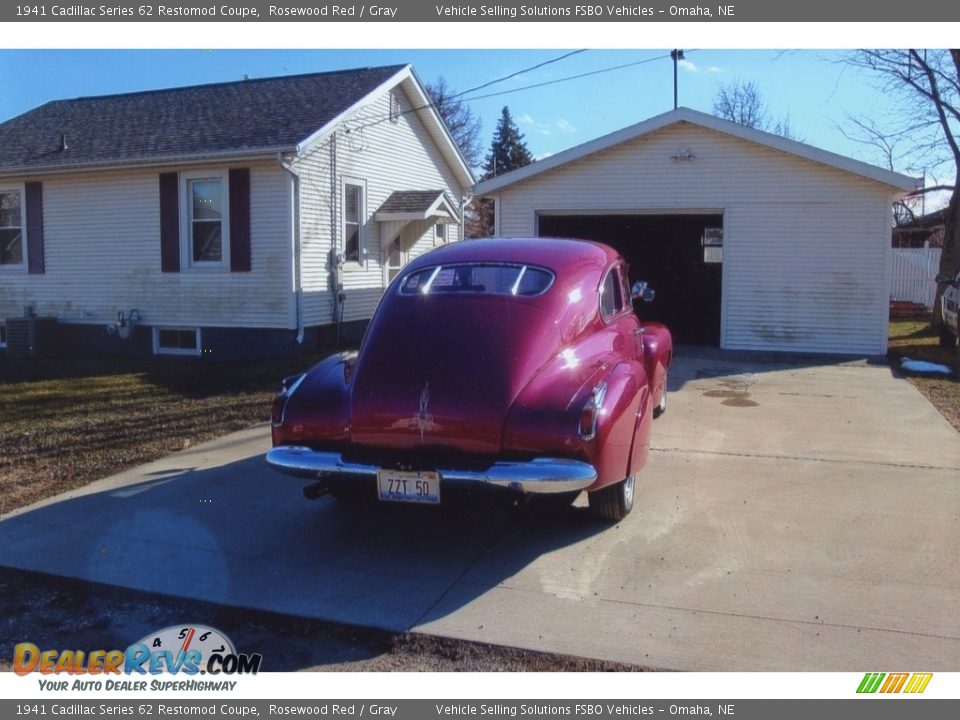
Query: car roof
pixel 564 256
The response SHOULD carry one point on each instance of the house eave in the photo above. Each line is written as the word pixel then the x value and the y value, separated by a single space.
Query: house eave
pixel 425 111
pixel 267 153
pixel 897 182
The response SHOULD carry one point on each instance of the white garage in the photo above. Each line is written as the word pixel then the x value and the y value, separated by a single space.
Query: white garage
pixel 752 241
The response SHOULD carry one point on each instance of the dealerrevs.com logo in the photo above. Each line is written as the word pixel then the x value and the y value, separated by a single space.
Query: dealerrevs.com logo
pixel 186 649
pixel 897 682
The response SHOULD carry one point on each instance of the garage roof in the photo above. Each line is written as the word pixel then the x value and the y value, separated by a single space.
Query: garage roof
pixel 683 114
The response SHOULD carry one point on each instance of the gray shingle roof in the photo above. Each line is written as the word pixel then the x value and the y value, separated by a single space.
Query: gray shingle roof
pixel 203 119
pixel 414 201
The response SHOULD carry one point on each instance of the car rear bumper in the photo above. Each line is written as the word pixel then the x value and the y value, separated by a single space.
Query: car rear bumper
pixel 538 476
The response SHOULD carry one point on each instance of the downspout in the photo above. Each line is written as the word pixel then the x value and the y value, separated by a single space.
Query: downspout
pixel 336 256
pixel 464 201
pixel 287 165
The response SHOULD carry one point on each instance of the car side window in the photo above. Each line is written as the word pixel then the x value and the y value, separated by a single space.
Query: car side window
pixel 611 293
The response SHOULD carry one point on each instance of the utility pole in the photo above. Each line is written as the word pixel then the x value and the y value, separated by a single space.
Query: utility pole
pixel 675 55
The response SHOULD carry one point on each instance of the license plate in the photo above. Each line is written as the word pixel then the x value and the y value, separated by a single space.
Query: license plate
pixel 404 486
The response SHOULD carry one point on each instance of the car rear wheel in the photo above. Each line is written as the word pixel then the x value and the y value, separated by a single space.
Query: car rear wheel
pixel 613 502
pixel 947 338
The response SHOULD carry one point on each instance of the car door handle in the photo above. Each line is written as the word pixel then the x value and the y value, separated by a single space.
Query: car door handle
pixel 639 331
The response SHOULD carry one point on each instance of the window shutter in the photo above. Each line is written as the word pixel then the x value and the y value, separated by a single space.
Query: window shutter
pixel 34 200
pixel 169 222
pixel 240 220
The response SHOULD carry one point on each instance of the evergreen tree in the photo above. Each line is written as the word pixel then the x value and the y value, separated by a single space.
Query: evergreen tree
pixel 508 151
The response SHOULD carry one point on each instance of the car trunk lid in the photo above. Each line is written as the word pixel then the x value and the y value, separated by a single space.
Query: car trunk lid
pixel 440 372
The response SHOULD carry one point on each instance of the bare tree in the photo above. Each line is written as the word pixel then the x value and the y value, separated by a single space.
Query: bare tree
pixel 743 103
pixel 926 86
pixel 889 146
pixel 463 125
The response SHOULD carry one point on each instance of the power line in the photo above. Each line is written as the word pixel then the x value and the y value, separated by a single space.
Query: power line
pixel 384 118
pixel 519 72
pixel 520 89
pixel 569 77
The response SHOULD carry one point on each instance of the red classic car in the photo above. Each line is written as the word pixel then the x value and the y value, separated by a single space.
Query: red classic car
pixel 516 363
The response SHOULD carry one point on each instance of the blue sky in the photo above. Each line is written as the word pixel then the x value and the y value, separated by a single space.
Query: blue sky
pixel 810 86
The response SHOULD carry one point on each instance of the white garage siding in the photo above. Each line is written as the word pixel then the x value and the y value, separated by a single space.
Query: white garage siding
pixel 808 276
pixel 806 245
pixel 102 255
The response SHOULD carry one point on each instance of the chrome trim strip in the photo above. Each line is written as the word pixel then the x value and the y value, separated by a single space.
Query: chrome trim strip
pixel 596 398
pixel 540 475
pixel 285 393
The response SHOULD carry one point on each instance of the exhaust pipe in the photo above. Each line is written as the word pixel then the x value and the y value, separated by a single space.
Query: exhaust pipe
pixel 316 490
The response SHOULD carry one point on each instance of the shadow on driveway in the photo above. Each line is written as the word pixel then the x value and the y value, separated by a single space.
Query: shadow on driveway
pixel 240 536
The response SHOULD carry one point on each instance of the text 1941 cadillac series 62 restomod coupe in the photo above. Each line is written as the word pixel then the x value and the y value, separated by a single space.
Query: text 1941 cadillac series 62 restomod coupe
pixel 514 363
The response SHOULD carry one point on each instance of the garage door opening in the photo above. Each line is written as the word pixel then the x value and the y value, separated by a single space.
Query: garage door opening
pixel 679 255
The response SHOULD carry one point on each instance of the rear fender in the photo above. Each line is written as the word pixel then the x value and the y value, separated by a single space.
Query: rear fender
pixel 657 354
pixel 319 408
pixel 627 400
pixel 641 434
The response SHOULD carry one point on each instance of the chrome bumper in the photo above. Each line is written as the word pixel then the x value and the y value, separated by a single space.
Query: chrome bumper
pixel 540 475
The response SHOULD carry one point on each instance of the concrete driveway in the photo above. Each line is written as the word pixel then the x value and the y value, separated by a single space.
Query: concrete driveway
pixel 792 517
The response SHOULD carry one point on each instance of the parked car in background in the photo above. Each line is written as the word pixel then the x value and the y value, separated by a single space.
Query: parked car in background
pixel 949 330
pixel 512 363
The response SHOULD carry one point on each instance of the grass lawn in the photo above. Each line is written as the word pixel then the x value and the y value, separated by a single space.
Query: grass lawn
pixel 913 338
pixel 65 423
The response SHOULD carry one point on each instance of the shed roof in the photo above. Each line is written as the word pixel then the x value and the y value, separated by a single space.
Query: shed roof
pixel 776 142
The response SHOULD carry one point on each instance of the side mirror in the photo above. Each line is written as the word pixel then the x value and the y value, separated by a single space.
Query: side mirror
pixel 642 291
pixel 945 279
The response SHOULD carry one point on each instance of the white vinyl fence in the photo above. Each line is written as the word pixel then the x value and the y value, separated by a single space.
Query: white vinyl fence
pixel 914 270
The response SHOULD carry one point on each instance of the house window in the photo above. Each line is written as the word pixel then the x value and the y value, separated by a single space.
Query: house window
pixel 205 218
pixel 353 213
pixel 176 341
pixel 394 108
pixel 11 228
pixel 441 235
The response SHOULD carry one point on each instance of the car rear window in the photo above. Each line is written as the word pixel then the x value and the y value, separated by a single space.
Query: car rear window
pixel 490 278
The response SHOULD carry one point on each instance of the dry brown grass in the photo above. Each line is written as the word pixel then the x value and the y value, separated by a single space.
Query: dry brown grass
pixel 66 423
pixel 914 339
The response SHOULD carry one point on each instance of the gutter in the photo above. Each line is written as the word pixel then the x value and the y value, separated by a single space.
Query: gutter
pixel 167 160
pixel 297 242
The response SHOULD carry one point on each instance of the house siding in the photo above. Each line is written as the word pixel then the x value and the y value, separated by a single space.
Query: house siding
pixel 102 256
pixel 387 156
pixel 806 246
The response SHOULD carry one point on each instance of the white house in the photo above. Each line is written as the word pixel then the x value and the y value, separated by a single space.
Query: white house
pixel 241 219
pixel 751 241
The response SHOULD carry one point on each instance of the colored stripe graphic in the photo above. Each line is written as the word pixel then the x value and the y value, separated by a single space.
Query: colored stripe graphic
pixel 918 683
pixel 894 682
pixel 870 682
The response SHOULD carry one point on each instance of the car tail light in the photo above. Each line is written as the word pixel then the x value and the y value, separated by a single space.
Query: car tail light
pixel 279 405
pixel 592 409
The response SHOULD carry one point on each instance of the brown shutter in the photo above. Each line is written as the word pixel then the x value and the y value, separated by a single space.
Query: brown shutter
pixel 34 200
pixel 240 220
pixel 169 222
